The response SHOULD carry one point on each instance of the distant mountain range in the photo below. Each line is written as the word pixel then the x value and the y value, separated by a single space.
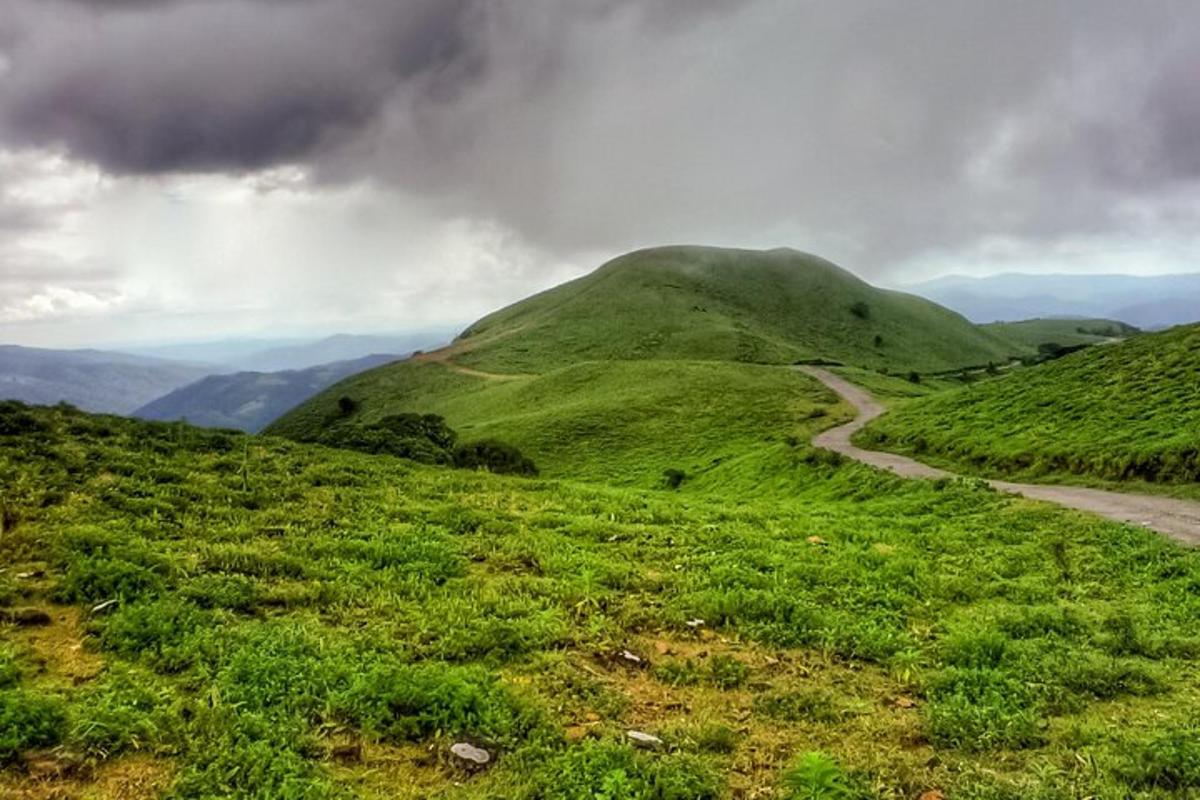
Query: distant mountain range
pixel 270 355
pixel 250 400
pixel 1148 302
pixel 93 380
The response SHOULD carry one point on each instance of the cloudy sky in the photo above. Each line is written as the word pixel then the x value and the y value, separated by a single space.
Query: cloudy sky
pixel 182 169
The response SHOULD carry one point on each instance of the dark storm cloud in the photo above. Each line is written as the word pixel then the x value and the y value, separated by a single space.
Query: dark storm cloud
pixel 870 130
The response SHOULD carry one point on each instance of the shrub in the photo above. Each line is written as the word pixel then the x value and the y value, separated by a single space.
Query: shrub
pixel 347 406
pixel 610 771
pixel 156 632
pixel 494 456
pixel 1170 761
pixel 980 709
pixel 818 777
pixel 28 720
pixel 860 309
pixel 424 438
pixel 126 712
pixel 914 377
pixel 727 672
pixel 673 478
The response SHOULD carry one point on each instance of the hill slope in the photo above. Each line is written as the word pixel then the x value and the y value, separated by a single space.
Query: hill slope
pixel 641 367
pixel 248 401
pixel 93 380
pixel 771 307
pixel 1063 332
pixel 1123 411
pixel 283 620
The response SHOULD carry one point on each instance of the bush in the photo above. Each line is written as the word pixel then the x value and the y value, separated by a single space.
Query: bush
pixel 818 777
pixel 860 309
pixel 347 406
pixel 494 456
pixel 673 478
pixel 424 438
pixel 727 672
pixel 611 771
pixel 127 712
pixel 1170 761
pixel 155 632
pixel 914 377
pixel 28 720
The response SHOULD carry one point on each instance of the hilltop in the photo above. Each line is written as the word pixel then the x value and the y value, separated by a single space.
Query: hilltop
pixel 767 307
pixel 1126 411
pixel 663 360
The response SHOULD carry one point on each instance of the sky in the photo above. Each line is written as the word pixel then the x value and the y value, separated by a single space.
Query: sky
pixel 176 170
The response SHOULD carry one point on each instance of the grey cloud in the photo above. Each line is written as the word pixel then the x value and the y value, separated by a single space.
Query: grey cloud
pixel 870 130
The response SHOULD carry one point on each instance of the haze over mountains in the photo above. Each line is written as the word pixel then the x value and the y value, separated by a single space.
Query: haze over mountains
pixel 1149 302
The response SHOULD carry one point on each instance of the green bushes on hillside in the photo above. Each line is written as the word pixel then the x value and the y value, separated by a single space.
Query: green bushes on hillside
pixel 426 439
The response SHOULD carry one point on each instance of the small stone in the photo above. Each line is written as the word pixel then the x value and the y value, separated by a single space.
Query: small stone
pixel 472 755
pixel 631 658
pixel 592 716
pixel 105 606
pixel 695 623
pixel 25 576
pixel 25 617
pixel 644 740
pixel 816 540
pixel 662 648
pixel 904 702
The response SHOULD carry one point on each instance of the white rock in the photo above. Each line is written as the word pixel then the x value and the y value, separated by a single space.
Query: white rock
pixel 643 739
pixel 469 752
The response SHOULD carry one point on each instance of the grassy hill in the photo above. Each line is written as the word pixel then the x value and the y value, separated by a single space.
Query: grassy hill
pixel 621 423
pixel 664 359
pixel 771 307
pixel 248 401
pixel 1128 411
pixel 196 614
pixel 1062 332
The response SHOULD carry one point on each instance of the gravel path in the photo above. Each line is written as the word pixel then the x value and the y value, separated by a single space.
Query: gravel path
pixel 1179 519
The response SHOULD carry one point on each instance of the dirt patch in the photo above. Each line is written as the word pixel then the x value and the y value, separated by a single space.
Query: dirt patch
pixel 58 650
pixel 129 778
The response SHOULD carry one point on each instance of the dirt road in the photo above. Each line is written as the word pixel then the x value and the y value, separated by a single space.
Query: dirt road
pixel 1179 519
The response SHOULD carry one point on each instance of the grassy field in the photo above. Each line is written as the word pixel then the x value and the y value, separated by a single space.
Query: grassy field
pixel 724 305
pixel 621 423
pixel 1121 412
pixel 293 621
pixel 1063 332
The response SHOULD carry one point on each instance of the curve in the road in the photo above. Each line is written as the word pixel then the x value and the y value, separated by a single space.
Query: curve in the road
pixel 1179 519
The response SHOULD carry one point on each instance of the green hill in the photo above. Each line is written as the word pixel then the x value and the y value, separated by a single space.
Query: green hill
pixel 771 307
pixel 664 359
pixel 1127 411
pixel 1061 332
pixel 195 614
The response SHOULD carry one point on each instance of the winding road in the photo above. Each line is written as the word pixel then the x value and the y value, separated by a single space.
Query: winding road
pixel 1178 519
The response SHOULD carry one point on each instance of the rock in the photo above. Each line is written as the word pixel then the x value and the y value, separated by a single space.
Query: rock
pixel 25 617
pixel 632 659
pixel 695 623
pixel 904 702
pixel 592 716
pixel 817 540
pixel 471 756
pixel 662 648
pixel 28 576
pixel 647 741
pixel 105 606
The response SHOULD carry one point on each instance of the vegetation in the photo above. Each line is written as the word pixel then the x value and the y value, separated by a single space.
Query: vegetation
pixel 1128 411
pixel 1032 333
pixel 253 617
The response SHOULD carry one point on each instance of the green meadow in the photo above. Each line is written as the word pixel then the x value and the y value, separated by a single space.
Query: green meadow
pixel 687 602
pixel 1127 413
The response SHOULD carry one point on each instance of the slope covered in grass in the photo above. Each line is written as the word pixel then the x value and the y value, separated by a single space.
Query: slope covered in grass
pixel 1127 411
pixel 283 620
pixel 770 307
pixel 623 422
pixel 1062 332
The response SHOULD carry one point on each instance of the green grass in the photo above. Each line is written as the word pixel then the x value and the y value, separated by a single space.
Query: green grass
pixel 772 306
pixel 1124 412
pixel 298 621
pixel 621 423
pixel 1063 332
